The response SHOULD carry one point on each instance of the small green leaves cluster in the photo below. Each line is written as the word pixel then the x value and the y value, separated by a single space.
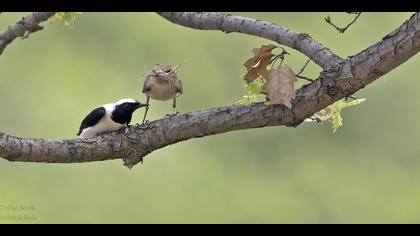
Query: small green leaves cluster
pixel 252 92
pixel 332 113
pixel 65 18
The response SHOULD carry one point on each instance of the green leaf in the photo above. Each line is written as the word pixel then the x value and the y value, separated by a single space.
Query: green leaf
pixel 336 120
pixel 65 18
pixel 335 111
pixel 247 99
pixel 253 87
pixel 252 92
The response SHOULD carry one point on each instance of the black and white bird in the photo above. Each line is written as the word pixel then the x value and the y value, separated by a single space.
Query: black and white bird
pixel 109 117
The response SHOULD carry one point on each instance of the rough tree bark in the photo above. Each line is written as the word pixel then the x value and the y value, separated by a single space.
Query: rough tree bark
pixel 28 24
pixel 340 78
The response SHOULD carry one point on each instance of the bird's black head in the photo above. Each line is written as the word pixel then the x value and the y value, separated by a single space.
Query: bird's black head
pixel 124 109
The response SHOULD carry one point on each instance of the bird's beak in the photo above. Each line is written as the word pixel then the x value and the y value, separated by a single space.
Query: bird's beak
pixel 142 105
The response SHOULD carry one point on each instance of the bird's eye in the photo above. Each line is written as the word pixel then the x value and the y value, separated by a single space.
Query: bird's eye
pixel 167 70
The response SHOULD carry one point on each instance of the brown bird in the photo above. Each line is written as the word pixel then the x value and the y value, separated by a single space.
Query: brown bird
pixel 162 84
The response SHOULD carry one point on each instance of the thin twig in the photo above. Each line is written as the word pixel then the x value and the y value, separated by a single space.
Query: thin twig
pixel 352 97
pixel 342 30
pixel 304 66
pixel 314 119
pixel 301 71
pixel 305 78
pixel 281 56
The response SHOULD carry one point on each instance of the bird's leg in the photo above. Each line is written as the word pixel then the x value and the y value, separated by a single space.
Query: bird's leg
pixel 147 109
pixel 174 112
pixel 125 128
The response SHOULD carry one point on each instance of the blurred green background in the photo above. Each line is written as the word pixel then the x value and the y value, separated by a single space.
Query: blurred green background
pixel 367 172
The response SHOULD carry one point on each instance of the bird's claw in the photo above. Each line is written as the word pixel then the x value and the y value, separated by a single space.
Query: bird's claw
pixel 125 129
pixel 173 114
pixel 143 123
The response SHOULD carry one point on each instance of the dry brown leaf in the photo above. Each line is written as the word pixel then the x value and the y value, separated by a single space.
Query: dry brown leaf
pixel 257 65
pixel 279 88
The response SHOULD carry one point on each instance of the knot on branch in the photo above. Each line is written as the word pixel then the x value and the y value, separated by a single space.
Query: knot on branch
pixel 134 157
pixel 333 91
pixel 133 146
pixel 28 28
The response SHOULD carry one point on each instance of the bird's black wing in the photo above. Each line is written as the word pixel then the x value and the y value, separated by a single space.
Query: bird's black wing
pixel 92 119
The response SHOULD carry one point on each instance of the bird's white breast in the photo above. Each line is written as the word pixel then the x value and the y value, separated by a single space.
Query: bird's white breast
pixel 106 124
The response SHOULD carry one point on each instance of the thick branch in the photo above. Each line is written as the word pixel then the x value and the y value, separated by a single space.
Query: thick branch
pixel 23 28
pixel 340 81
pixel 302 42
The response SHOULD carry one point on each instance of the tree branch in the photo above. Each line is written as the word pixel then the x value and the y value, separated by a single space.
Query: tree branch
pixel 28 24
pixel 227 23
pixel 135 142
